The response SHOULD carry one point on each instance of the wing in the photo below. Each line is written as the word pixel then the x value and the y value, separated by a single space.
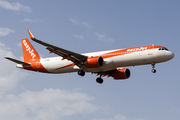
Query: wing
pixel 66 54
pixel 18 62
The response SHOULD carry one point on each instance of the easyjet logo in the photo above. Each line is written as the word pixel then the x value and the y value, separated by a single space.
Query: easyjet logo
pixel 30 50
pixel 137 49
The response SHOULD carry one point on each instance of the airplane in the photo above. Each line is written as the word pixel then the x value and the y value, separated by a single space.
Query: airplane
pixel 108 63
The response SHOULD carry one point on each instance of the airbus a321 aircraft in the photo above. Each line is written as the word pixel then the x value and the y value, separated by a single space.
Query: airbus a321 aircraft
pixel 104 63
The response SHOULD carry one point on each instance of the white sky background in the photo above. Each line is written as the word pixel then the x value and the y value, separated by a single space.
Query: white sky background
pixel 86 26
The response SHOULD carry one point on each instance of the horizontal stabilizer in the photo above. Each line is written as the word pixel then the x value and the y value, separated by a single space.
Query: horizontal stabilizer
pixel 19 62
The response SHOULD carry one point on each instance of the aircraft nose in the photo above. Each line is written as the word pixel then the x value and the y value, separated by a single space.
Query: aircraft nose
pixel 171 55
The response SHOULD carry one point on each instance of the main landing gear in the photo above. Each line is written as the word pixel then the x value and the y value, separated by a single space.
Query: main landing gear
pixel 81 73
pixel 99 80
pixel 153 66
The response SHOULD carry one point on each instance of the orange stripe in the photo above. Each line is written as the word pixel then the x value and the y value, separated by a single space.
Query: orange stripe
pixel 128 51
pixel 68 65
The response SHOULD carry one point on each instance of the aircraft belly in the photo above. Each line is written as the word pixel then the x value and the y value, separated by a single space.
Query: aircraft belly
pixel 65 70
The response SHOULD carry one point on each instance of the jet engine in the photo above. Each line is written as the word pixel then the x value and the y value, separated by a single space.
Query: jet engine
pixel 94 62
pixel 122 73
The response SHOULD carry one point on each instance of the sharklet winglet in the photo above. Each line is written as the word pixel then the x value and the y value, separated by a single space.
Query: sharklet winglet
pixel 30 34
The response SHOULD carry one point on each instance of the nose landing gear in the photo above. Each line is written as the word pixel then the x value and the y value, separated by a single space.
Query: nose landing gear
pixel 153 66
pixel 153 70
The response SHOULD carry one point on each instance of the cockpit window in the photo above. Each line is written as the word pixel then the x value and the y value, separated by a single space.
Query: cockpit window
pixel 166 49
pixel 163 49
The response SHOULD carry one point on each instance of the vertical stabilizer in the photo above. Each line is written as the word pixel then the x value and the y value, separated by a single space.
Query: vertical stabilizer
pixel 29 52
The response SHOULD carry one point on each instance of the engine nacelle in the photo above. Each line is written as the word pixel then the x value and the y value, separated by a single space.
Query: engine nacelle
pixel 122 73
pixel 94 62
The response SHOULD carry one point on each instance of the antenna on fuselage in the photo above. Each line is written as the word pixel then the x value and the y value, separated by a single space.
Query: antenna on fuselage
pixel 153 45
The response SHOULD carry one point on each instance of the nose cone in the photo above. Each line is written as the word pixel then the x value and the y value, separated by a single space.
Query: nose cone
pixel 170 55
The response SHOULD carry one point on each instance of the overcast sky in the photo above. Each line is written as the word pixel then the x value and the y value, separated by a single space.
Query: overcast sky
pixel 85 26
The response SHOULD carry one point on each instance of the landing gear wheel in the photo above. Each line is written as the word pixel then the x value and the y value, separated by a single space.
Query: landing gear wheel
pixel 153 70
pixel 99 80
pixel 153 66
pixel 81 73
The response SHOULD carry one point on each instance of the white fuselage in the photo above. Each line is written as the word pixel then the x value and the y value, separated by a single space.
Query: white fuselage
pixel 128 58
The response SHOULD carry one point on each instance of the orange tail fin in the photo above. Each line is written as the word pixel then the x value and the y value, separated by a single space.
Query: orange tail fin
pixel 29 52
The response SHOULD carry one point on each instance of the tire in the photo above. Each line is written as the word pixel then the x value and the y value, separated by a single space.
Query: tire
pixel 81 73
pixel 99 80
pixel 153 71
